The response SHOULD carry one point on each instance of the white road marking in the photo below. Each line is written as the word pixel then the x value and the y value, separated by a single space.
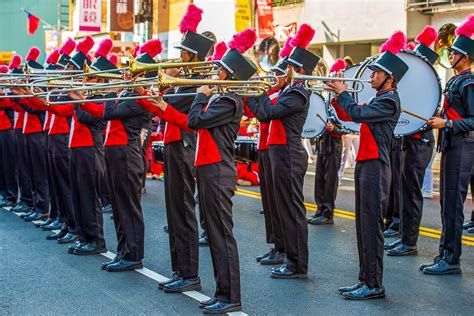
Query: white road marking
pixel 8 208
pixel 36 222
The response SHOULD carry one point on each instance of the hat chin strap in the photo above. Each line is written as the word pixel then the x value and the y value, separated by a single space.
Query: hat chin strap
pixel 383 83
pixel 459 60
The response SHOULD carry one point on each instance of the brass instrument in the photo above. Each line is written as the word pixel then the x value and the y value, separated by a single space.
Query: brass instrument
pixel 206 68
pixel 445 39
pixel 316 83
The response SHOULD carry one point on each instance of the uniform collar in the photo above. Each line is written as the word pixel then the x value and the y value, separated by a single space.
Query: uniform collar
pixel 384 91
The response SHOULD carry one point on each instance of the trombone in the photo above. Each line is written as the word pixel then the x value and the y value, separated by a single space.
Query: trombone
pixel 207 68
pixel 319 87
pixel 243 87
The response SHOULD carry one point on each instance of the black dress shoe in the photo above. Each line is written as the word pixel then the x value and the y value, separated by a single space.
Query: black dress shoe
pixel 393 244
pixel 36 216
pixel 68 238
pixel 124 265
pixel 468 225
pixel 351 288
pixel 275 258
pixel 32 211
pixel 6 203
pixel 183 285
pixel 117 258
pixel 284 273
pixel 471 230
pixel 71 248
pixel 56 236
pixel 21 208
pixel 208 302
pixel 390 233
pixel 222 308
pixel 429 264
pixel 272 251
pixel 56 224
pixel 176 276
pixel 45 223
pixel 320 220
pixel 165 229
pixel 107 208
pixel 88 249
pixel 403 250
pixel 365 293
pixel 203 240
pixel 442 267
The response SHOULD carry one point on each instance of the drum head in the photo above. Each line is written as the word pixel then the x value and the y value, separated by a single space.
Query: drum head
pixel 350 127
pixel 317 116
pixel 419 91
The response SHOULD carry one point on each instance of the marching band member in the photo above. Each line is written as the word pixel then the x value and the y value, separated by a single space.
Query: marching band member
pixel 24 179
pixel 372 175
pixel 123 157
pixel 456 143
pixel 417 156
pixel 326 180
pixel 35 147
pixel 288 158
pixel 217 122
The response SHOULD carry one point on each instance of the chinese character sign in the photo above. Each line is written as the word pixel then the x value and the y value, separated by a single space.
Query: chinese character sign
pixel 90 15
pixel 265 18
pixel 120 15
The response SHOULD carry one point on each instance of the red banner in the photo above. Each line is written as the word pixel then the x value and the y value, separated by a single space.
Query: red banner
pixel 264 18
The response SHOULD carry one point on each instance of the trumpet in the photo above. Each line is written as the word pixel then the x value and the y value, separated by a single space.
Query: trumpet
pixel 358 85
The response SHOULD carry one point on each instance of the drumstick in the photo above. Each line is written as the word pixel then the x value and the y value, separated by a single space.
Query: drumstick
pixel 415 115
pixel 321 118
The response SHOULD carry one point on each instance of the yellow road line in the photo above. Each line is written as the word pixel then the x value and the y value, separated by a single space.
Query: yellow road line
pixel 425 231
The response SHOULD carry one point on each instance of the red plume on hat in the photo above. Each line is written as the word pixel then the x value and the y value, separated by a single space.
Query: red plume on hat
pixel 427 36
pixel 33 54
pixel 243 41
pixel 53 57
pixel 113 58
pixel 105 46
pixel 287 48
pixel 467 28
pixel 15 62
pixel 395 43
pixel 191 19
pixel 219 51
pixel 3 69
pixel 136 49
pixel 68 47
pixel 85 45
pixel 303 37
pixel 410 46
pixel 338 65
pixel 152 47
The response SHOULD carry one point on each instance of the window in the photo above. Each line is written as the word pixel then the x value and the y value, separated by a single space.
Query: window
pixel 277 3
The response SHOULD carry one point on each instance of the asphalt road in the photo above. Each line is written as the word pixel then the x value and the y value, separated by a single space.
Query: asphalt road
pixel 38 277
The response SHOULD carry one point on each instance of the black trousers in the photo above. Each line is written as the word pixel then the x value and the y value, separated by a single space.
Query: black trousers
pixel 372 186
pixel 216 185
pixel 417 158
pixel 472 193
pixel 8 177
pixel 288 165
pixel 180 203
pixel 124 174
pixel 87 168
pixel 36 166
pixel 59 166
pixel 326 179
pixel 273 225
pixel 53 195
pixel 397 156
pixel 24 177
pixel 456 172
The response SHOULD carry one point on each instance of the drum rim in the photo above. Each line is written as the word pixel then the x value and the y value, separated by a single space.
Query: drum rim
pixel 364 66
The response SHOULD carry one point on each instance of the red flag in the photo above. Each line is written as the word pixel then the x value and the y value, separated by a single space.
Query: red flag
pixel 32 23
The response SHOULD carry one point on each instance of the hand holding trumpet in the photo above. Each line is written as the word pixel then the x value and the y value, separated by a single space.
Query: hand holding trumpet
pixel 336 86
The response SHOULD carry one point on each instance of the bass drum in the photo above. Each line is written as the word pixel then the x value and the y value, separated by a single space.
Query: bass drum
pixel 419 91
pixel 317 117
pixel 347 127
